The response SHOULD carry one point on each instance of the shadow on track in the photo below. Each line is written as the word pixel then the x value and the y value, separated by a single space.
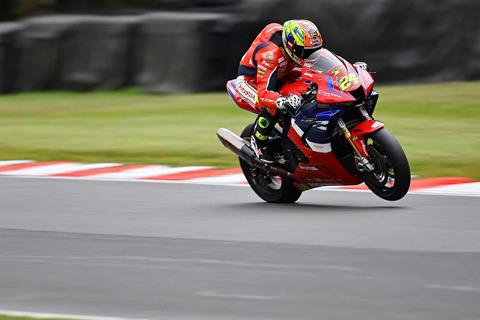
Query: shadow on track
pixel 310 207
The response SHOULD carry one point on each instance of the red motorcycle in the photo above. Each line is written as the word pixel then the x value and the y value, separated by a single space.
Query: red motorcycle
pixel 332 139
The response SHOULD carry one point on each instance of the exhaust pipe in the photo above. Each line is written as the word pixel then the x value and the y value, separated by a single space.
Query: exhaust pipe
pixel 238 146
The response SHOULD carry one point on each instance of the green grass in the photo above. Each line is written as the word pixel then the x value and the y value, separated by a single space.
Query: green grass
pixel 438 125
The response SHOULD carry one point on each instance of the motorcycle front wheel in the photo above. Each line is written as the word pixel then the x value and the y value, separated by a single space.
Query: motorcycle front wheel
pixel 271 188
pixel 391 178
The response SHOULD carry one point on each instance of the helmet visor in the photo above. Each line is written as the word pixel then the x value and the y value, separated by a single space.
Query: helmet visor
pixel 308 51
pixel 304 53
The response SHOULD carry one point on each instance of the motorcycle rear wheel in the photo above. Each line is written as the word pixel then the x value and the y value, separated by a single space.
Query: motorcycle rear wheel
pixel 272 189
pixel 391 178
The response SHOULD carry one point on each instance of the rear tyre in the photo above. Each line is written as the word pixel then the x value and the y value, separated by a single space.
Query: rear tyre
pixel 273 189
pixel 391 178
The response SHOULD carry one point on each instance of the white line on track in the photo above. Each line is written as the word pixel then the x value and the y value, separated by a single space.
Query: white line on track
pixel 10 162
pixel 453 288
pixel 147 171
pixel 217 294
pixel 466 189
pixel 58 168
pixel 40 315
pixel 322 189
pixel 131 259
pixel 230 178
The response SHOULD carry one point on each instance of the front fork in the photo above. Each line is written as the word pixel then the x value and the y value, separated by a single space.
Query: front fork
pixel 358 144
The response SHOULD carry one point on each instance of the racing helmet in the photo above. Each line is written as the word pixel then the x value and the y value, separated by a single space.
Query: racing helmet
pixel 300 39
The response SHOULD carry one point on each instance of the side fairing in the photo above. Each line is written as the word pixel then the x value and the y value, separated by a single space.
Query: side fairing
pixel 315 124
pixel 366 79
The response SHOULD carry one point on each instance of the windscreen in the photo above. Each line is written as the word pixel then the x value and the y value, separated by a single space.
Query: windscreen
pixel 328 64
pixel 325 62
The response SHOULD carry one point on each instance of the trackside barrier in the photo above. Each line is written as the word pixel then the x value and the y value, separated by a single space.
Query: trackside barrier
pixel 8 56
pixel 198 49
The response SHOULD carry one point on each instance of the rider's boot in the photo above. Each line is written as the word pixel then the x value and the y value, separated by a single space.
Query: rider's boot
pixel 261 134
pixel 261 152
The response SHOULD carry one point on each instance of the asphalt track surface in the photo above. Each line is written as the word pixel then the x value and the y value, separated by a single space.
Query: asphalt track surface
pixel 178 251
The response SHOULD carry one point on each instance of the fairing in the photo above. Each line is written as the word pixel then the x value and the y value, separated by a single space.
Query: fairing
pixel 337 79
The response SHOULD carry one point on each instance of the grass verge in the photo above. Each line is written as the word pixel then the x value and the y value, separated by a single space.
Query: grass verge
pixel 437 124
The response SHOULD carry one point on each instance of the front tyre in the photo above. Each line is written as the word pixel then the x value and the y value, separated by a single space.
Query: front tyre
pixel 273 189
pixel 391 178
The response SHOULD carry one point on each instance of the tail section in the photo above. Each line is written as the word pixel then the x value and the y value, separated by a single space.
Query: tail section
pixel 243 94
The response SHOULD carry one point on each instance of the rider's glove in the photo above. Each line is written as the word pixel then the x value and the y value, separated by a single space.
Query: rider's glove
pixel 290 103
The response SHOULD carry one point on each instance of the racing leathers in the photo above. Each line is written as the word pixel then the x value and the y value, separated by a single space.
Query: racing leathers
pixel 263 68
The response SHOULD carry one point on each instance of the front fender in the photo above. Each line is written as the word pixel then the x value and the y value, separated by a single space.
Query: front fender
pixel 362 129
pixel 366 127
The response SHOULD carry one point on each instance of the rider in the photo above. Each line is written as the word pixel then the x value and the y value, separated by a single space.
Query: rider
pixel 274 56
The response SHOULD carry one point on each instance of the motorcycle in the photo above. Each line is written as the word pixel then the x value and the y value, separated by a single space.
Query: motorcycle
pixel 332 139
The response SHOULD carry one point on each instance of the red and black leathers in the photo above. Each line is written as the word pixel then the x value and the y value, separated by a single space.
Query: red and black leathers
pixel 266 65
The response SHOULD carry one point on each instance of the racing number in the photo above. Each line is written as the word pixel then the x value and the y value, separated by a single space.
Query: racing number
pixel 346 81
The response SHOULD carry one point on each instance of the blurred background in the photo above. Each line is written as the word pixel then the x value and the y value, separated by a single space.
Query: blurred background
pixel 77 75
pixel 195 45
pixel 115 82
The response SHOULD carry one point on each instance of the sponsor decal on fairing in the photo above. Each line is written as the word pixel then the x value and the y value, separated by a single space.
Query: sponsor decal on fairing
pixel 247 92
